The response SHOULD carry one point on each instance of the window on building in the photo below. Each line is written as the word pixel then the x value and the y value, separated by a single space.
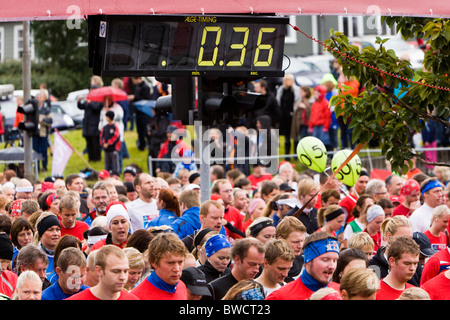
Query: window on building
pixel 291 34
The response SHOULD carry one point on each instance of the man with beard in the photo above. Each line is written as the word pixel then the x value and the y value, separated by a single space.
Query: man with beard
pixel 321 253
pixel 143 209
pixel 100 199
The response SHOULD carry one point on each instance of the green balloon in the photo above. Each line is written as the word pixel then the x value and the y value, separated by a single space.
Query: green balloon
pixel 312 153
pixel 350 173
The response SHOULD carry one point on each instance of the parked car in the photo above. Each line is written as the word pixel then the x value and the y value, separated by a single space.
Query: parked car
pixel 73 96
pixel 306 73
pixel 61 120
pixel 70 109
pixel 322 61
pixel 402 48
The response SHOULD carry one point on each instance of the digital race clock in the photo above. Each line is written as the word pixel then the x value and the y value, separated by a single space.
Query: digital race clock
pixel 187 45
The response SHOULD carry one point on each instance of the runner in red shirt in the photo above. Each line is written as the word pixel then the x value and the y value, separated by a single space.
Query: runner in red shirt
pixel 373 220
pixel 403 258
pixel 258 175
pixel 166 257
pixel 436 264
pixel 68 210
pixel 410 192
pixel 111 266
pixel 439 224
pixel 324 250
pixel 223 188
pixel 349 202
pixel 439 287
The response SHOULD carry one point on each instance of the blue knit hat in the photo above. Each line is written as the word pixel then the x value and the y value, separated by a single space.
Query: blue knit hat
pixel 216 243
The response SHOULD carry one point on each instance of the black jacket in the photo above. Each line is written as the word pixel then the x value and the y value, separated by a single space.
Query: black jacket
pixel 309 220
pixel 91 117
pixel 211 273
pixel 381 267
pixel 220 287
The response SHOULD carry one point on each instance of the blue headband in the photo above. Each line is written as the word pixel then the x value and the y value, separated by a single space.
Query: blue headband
pixel 317 248
pixel 431 185
pixel 216 243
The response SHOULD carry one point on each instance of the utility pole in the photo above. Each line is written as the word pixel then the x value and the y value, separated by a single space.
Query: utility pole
pixel 26 86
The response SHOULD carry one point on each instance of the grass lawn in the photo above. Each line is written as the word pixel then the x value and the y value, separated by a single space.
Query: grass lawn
pixel 75 164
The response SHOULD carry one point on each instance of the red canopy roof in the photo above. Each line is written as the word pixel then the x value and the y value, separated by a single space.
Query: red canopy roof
pixel 20 10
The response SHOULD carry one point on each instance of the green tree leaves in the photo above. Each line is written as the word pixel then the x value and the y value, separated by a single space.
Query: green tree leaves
pixel 378 112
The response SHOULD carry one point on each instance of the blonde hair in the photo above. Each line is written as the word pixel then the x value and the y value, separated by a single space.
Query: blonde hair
pixel 44 214
pixel 444 171
pixel 321 214
pixel 359 240
pixel 322 293
pixel 25 276
pixel 97 80
pixel 162 244
pixel 135 258
pixel 414 293
pixel 439 212
pixel 360 282
pixel 257 220
pixel 391 225
pixel 288 225
pixel 305 186
pixel 241 286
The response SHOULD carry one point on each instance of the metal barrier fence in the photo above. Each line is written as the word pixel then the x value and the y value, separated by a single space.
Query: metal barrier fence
pixel 370 158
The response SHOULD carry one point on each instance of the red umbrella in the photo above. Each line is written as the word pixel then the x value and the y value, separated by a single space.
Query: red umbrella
pixel 98 94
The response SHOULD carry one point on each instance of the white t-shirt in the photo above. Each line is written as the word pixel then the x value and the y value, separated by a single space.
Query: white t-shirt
pixel 348 231
pixel 268 291
pixel 141 213
pixel 421 218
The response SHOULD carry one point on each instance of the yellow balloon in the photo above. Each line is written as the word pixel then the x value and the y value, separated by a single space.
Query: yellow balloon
pixel 350 173
pixel 312 153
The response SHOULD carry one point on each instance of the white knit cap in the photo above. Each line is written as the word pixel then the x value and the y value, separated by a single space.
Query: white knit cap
pixel 373 212
pixel 115 211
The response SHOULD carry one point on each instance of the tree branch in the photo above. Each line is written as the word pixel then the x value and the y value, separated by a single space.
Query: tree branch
pixel 421 157
pixel 425 115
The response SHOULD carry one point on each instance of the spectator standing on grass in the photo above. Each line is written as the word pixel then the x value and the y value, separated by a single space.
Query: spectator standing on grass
pixel 110 142
pixel 288 94
pixel 320 120
pixel 91 132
